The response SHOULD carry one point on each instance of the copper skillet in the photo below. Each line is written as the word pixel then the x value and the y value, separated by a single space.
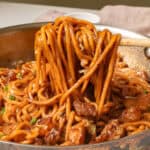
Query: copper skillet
pixel 16 43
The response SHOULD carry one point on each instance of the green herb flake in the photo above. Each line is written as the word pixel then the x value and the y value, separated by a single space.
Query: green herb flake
pixel 11 97
pixel 6 88
pixel 146 92
pixel 19 75
pixel 33 121
pixel 2 110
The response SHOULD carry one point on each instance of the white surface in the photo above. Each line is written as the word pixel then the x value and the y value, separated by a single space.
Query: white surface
pixel 82 15
pixel 19 13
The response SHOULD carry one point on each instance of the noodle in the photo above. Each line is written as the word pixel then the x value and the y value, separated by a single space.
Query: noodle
pixel 77 87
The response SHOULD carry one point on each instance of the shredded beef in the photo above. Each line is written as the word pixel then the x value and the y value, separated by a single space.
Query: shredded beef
pixel 111 131
pixel 52 137
pixel 49 131
pixel 77 135
pixel 84 109
pixel 131 114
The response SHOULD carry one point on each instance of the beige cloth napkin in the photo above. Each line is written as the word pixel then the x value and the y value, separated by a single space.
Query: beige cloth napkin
pixel 50 15
pixel 133 18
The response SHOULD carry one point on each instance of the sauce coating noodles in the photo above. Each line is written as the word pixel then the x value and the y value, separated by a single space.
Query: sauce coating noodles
pixel 77 91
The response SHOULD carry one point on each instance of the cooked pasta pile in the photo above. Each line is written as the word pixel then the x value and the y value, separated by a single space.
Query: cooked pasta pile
pixel 77 91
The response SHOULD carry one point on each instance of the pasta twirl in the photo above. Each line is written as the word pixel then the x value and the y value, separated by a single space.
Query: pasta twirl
pixel 77 91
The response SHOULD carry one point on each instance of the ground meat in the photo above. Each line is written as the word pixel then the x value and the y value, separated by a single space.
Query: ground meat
pixel 84 109
pixel 52 137
pixel 111 131
pixel 141 102
pixel 131 114
pixel 77 135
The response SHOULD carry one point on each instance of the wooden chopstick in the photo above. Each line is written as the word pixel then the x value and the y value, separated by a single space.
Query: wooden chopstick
pixel 135 42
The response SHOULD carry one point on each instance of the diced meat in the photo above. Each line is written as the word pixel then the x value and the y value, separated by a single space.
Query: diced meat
pixel 142 102
pixel 52 137
pixel 77 135
pixel 111 131
pixel 45 125
pixel 84 109
pixel 131 114
pixel 49 131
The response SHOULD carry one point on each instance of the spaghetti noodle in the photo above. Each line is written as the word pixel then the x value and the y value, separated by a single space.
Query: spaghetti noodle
pixel 77 91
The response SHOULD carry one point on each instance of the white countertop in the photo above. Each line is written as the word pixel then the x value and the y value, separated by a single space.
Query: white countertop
pixel 19 13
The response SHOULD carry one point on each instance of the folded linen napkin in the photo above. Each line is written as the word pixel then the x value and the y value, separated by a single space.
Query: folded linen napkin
pixel 133 18
pixel 50 15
